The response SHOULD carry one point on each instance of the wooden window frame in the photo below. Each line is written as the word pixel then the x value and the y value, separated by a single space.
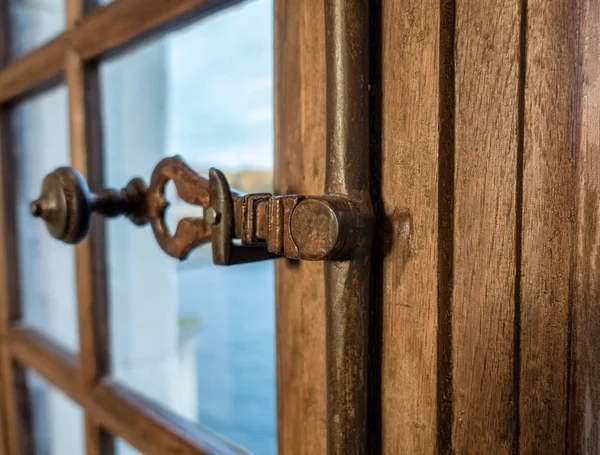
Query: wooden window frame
pixel 109 407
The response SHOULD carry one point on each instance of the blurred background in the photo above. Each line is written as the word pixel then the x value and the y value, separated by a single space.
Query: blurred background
pixel 197 338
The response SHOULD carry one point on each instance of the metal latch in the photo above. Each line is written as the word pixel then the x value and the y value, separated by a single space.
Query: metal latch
pixel 296 226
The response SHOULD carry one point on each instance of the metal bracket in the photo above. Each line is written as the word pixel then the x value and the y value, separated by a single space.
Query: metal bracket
pixel 295 226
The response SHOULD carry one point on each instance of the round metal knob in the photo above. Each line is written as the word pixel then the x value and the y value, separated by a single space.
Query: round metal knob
pixel 65 205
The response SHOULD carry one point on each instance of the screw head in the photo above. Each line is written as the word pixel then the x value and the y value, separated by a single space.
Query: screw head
pixel 211 216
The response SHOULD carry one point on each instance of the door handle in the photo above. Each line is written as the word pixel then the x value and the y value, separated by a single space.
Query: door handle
pixel 296 226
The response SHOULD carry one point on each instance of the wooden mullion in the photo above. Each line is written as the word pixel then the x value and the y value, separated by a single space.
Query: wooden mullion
pixel 92 305
pixel 9 395
pixel 106 29
pixel 32 70
pixel 92 314
pixel 150 428
pixel 14 393
pixel 145 425
pixel 32 349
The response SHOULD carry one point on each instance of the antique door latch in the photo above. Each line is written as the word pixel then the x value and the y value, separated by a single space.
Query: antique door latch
pixel 296 226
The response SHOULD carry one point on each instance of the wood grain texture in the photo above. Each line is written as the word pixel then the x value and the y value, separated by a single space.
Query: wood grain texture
pixel 407 215
pixel 483 309
pixel 300 166
pixel 584 424
pixel 549 112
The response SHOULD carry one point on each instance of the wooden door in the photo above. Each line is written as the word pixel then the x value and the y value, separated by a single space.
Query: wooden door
pixel 484 143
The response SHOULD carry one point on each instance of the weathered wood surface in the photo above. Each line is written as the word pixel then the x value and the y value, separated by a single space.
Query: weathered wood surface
pixel 584 416
pixel 300 168
pixel 546 234
pixel 486 213
pixel 406 260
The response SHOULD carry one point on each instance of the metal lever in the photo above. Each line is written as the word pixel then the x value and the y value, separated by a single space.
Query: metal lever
pixel 296 226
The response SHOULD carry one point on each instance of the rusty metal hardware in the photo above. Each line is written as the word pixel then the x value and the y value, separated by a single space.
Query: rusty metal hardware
pixel 296 226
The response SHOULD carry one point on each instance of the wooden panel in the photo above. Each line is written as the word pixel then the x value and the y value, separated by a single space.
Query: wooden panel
pixel 546 234
pixel 585 385
pixel 406 257
pixel 483 309
pixel 300 168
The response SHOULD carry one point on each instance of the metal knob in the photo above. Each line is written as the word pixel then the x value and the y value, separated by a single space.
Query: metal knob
pixel 66 204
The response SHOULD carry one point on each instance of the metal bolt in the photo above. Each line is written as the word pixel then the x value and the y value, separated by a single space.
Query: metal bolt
pixel 211 216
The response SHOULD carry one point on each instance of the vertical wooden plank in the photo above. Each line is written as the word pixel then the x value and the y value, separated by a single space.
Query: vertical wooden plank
pixel 406 258
pixel 92 305
pixel 300 166
pixel 584 421
pixel 486 215
pixel 549 110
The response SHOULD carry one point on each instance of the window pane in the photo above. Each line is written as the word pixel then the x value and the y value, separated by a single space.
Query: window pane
pixel 196 337
pixel 33 22
pixel 57 421
pixel 47 266
pixel 122 448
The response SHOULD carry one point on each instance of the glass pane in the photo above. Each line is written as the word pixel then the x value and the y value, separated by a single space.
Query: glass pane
pixel 47 266
pixel 57 421
pixel 198 338
pixel 33 22
pixel 122 448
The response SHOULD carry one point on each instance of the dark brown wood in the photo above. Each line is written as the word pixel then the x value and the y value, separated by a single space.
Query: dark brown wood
pixel 406 185
pixel 106 29
pixel 150 428
pixel 584 417
pixel 485 249
pixel 548 125
pixel 57 365
pixel 300 165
